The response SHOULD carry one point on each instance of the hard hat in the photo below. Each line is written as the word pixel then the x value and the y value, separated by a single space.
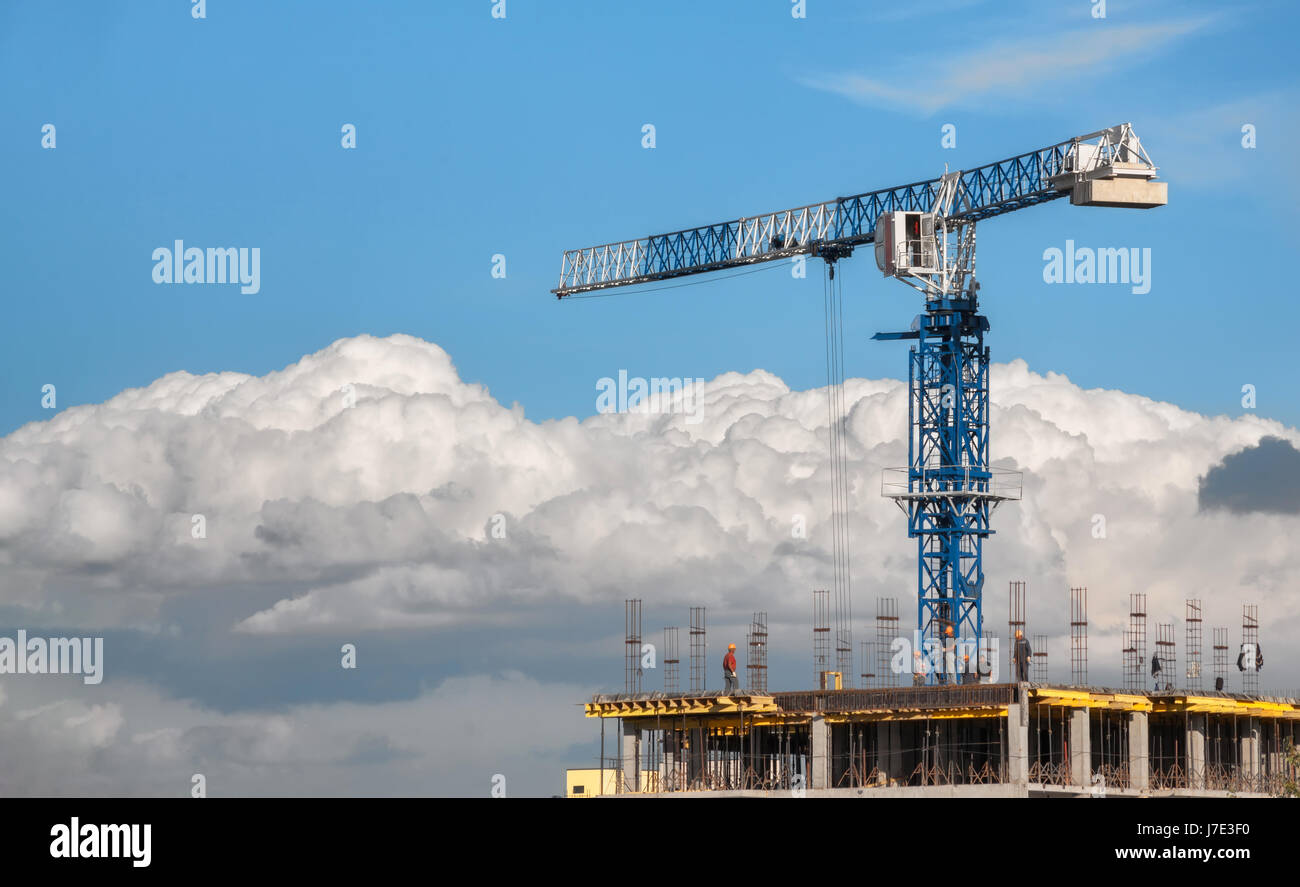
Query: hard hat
pixel 1019 633
pixel 731 646
pixel 948 630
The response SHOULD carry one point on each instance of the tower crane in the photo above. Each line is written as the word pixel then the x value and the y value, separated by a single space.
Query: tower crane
pixel 923 235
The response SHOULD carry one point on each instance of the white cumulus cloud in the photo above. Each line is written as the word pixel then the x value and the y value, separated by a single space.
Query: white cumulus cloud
pixel 367 488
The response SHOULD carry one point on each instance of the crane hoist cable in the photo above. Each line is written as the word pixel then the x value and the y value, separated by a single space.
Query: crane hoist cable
pixel 833 303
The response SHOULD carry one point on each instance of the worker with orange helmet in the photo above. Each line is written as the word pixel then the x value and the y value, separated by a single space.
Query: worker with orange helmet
pixel 949 654
pixel 1020 657
pixel 729 671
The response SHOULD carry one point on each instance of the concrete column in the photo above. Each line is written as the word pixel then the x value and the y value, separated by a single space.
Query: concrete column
pixel 1139 756
pixel 1017 745
pixel 695 757
pixel 631 756
pixel 1196 751
pixel 1248 743
pixel 668 769
pixel 1273 744
pixel 1080 747
pixel 883 749
pixel 939 743
pixel 896 752
pixel 821 749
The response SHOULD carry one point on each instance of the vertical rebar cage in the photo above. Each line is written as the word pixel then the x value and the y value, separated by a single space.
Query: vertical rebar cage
pixel 886 632
pixel 698 650
pixel 1192 622
pixel 821 635
pixel 756 664
pixel 632 645
pixel 1079 636
pixel 671 661
pixel 1250 648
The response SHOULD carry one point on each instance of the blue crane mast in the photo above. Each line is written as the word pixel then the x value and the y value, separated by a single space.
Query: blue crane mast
pixel 924 235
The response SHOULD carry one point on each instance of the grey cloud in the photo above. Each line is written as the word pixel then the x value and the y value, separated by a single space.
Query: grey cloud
pixel 1264 478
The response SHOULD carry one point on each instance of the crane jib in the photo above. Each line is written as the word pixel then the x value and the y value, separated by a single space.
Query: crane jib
pixel 983 192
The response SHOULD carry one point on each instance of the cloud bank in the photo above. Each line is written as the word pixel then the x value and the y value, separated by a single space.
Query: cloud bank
pixel 368 489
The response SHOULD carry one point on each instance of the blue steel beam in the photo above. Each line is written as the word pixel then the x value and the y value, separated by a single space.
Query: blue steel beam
pixel 845 222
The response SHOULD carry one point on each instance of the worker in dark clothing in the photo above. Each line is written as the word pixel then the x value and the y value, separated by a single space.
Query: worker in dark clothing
pixel 729 670
pixel 968 674
pixel 1218 684
pixel 1155 670
pixel 1020 657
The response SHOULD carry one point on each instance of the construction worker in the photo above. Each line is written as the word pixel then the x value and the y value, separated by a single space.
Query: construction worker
pixel 918 669
pixel 729 671
pixel 1020 657
pixel 949 655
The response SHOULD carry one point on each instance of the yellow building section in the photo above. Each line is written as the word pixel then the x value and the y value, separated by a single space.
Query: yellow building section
pixel 899 705
pixel 586 782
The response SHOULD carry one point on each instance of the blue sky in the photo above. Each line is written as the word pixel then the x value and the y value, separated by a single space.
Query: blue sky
pixel 522 136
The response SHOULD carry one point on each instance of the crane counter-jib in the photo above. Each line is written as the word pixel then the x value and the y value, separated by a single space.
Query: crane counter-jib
pixel 1116 169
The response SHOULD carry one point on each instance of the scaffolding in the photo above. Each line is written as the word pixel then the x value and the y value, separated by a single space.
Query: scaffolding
pixel 698 650
pixel 671 661
pixel 1250 648
pixel 1135 642
pixel 821 636
pixel 1079 636
pixel 886 632
pixel 756 663
pixel 1192 622
pixel 1221 658
pixel 1166 655
pixel 1040 659
pixel 632 645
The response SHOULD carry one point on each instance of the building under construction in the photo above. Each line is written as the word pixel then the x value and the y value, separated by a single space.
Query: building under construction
pixel 955 730
pixel 982 740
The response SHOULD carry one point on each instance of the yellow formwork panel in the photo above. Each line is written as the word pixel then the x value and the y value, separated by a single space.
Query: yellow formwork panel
pixel 679 706
pixel 1169 704
pixel 916 714
pixel 1073 698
